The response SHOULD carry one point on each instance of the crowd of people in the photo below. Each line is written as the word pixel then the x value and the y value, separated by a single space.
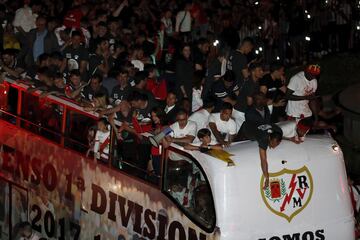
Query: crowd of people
pixel 212 71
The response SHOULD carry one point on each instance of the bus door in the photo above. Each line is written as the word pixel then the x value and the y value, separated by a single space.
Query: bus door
pixel 13 209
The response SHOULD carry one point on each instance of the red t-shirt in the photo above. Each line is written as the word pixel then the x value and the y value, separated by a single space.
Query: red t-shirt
pixel 197 12
pixel 72 18
pixel 158 89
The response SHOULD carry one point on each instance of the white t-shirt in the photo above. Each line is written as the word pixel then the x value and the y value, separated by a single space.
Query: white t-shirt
pixel 288 128
pixel 100 138
pixel 168 25
pixel 138 64
pixel 188 130
pixel 185 18
pixel 25 18
pixel 32 237
pixel 197 101
pixel 301 87
pixel 224 127
pixel 201 118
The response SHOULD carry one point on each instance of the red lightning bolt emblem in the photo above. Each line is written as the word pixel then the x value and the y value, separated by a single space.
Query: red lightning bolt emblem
pixel 288 197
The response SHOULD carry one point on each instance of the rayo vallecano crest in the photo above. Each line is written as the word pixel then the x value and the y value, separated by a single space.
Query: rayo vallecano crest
pixel 289 192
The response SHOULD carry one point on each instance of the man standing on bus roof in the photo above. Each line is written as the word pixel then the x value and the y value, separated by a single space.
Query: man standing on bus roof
pixel 300 91
pixel 267 135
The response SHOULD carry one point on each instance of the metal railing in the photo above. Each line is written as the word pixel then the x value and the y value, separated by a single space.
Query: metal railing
pixel 63 136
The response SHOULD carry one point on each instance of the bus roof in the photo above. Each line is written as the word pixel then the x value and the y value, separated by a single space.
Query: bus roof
pixel 231 186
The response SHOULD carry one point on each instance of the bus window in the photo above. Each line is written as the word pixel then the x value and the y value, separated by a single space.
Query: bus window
pixel 8 102
pixel 80 131
pixel 41 116
pixel 185 183
pixel 134 156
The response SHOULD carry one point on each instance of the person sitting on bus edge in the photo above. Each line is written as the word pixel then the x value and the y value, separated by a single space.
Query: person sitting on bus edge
pixel 222 126
pixel 267 135
pixel 184 131
pixel 102 141
pixel 205 143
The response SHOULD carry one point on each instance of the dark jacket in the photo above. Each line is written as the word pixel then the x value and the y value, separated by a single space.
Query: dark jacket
pixel 252 115
pixel 171 115
pixel 50 45
pixel 184 76
pixel 253 119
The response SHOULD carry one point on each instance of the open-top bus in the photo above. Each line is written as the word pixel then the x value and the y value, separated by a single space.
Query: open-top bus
pixel 47 178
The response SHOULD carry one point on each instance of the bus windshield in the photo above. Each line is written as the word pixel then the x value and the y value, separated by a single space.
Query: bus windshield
pixel 186 184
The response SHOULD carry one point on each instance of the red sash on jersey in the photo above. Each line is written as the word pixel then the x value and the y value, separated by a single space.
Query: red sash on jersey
pixel 104 145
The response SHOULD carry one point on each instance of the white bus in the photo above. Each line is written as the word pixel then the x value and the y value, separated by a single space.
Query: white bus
pixel 47 179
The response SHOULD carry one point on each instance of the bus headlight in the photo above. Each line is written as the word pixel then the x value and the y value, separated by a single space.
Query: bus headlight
pixel 335 147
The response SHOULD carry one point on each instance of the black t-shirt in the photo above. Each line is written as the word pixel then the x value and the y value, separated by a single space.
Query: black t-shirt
pixel 237 62
pixel 254 115
pixel 148 48
pixel 119 94
pixel 96 60
pixel 89 93
pixel 146 112
pixel 74 56
pixel 273 87
pixel 260 133
pixel 248 90
pixel 214 68
pixel 199 57
pixel 219 92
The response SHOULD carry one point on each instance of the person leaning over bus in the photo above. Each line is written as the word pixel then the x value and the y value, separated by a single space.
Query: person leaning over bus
pixel 205 143
pixel 267 135
pixel 222 126
pixel 184 131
